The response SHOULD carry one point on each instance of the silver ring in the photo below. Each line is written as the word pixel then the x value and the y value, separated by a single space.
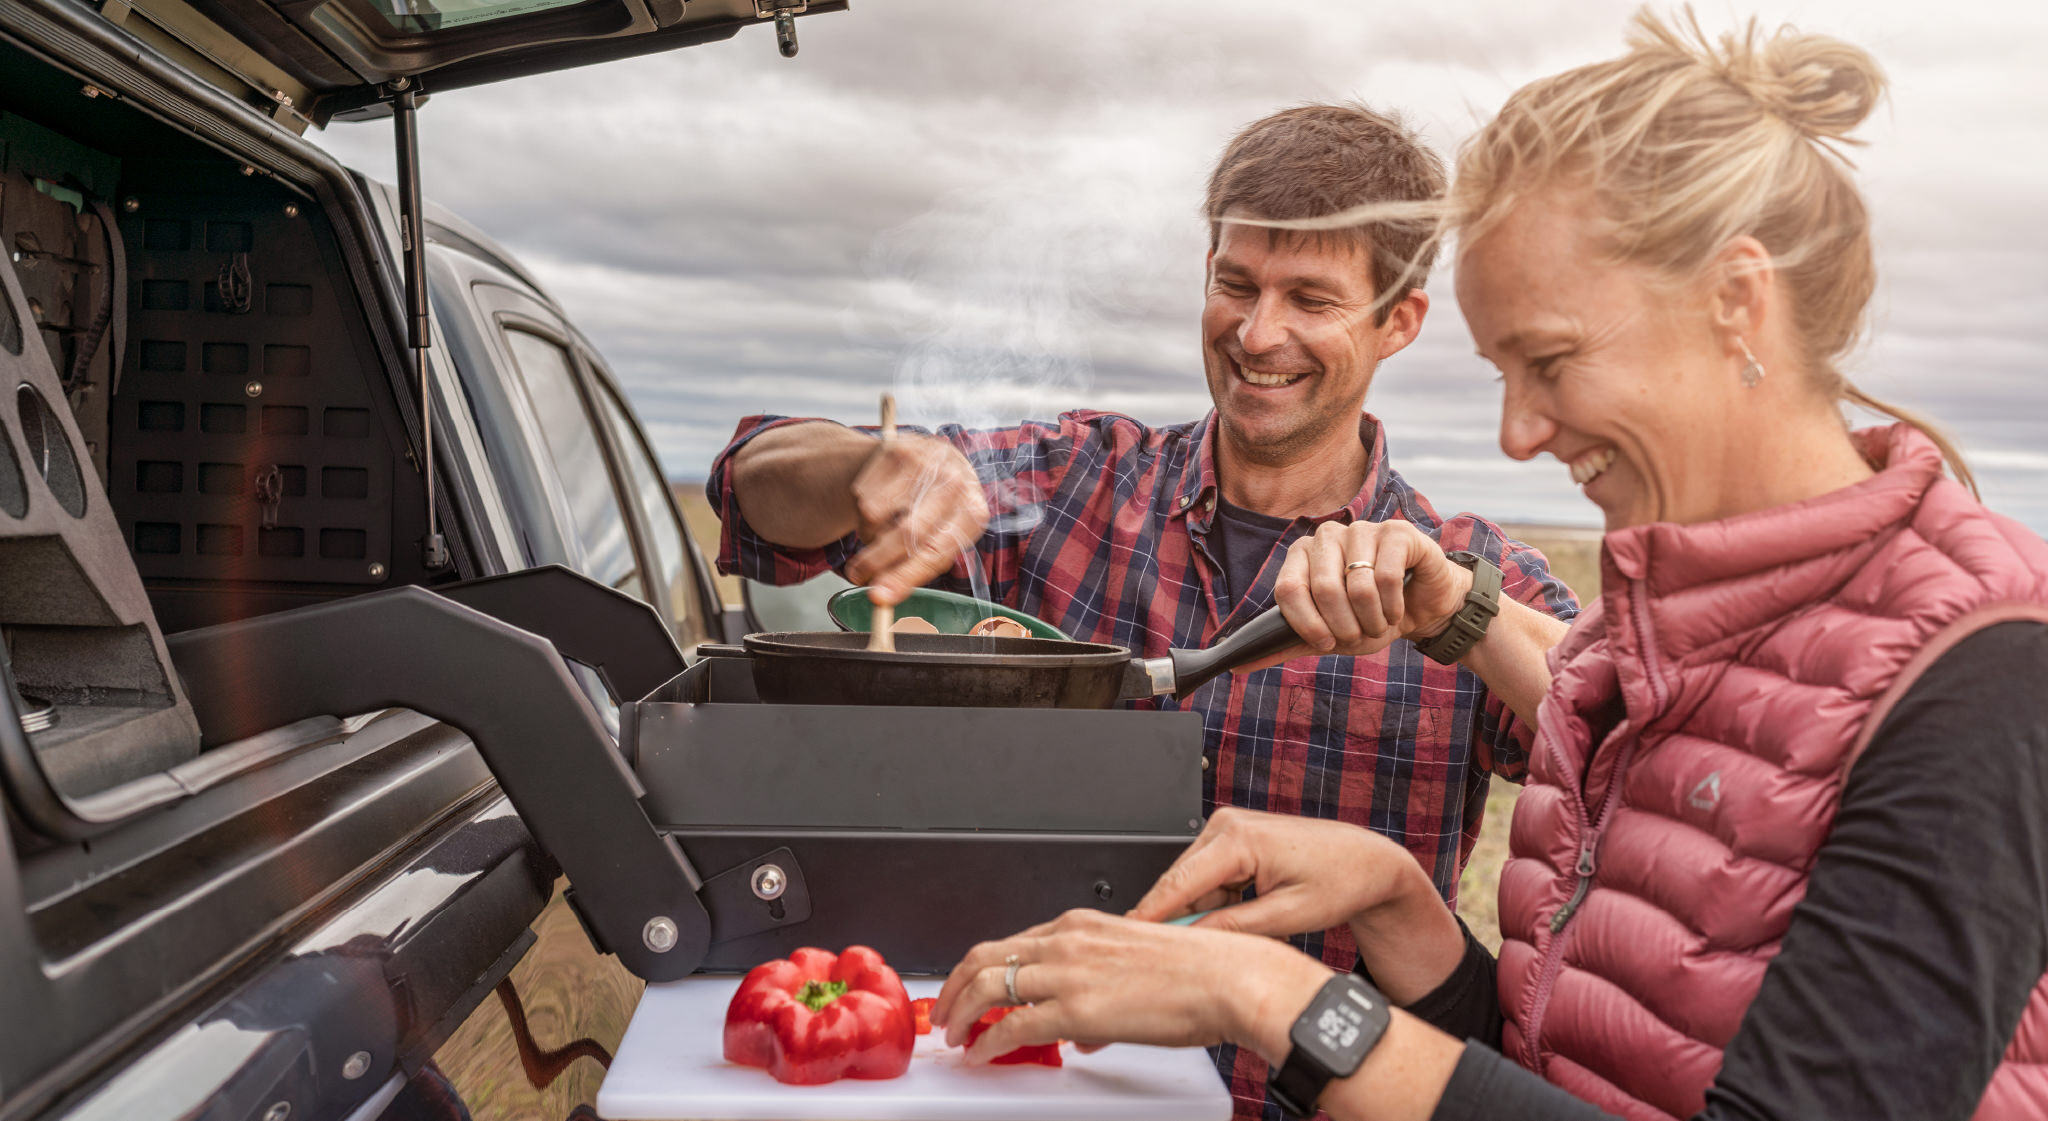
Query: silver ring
pixel 1010 979
pixel 1356 565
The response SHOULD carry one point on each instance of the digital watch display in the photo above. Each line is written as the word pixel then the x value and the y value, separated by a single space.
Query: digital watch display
pixel 1331 1039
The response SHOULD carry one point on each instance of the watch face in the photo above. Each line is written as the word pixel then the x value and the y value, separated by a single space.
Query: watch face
pixel 1336 1026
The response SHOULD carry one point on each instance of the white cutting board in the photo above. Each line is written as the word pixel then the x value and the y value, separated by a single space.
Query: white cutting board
pixel 671 1067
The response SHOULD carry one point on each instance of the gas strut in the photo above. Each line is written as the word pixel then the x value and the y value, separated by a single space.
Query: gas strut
pixel 412 228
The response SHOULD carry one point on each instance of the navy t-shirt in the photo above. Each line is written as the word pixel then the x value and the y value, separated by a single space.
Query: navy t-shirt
pixel 1246 538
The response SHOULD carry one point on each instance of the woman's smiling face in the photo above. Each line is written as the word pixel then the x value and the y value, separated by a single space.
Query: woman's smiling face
pixel 1618 375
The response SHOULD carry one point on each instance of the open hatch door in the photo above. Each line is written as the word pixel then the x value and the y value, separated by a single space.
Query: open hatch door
pixel 342 54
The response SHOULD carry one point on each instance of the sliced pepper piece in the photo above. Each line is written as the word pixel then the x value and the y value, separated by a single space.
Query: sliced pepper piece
pixel 922 1009
pixel 1044 1054
pixel 818 1017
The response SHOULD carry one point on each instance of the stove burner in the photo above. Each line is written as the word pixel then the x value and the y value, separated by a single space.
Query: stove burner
pixel 37 714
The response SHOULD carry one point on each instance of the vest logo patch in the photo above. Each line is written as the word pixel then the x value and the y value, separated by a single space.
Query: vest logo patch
pixel 1707 795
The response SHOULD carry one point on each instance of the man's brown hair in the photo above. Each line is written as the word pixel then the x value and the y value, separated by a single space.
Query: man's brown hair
pixel 1313 161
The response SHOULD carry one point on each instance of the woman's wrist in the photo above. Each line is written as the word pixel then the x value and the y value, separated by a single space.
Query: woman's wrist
pixel 1269 994
pixel 1411 942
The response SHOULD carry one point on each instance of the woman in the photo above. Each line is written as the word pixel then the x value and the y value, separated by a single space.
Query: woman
pixel 1784 851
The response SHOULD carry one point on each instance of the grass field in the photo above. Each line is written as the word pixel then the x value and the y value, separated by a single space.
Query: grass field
pixel 1574 555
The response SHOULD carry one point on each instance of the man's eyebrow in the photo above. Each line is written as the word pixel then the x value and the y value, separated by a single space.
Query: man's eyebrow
pixel 1319 283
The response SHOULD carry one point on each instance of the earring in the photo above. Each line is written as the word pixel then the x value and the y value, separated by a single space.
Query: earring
pixel 1753 373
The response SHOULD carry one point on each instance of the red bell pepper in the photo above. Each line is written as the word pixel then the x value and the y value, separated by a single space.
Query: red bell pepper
pixel 922 1009
pixel 819 1016
pixel 1044 1054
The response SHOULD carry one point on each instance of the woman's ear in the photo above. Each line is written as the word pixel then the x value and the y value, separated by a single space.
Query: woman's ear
pixel 1743 278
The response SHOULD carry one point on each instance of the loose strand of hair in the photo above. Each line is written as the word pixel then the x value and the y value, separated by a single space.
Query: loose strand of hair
pixel 1949 451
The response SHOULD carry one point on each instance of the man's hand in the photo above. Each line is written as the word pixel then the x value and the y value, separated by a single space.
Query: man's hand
pixel 915 502
pixel 1342 589
pixel 920 506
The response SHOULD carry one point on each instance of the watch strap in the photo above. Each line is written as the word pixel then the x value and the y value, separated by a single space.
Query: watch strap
pixel 1300 1080
pixel 1297 1084
pixel 1469 624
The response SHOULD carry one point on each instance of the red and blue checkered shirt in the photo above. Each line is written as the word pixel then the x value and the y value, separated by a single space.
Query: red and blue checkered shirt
pixel 1105 528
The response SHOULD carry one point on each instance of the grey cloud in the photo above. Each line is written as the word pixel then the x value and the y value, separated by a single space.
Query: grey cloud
pixel 1012 190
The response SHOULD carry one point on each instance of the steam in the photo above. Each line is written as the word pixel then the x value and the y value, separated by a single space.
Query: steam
pixel 990 304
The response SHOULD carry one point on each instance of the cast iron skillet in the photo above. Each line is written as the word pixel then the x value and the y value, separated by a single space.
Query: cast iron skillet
pixel 957 670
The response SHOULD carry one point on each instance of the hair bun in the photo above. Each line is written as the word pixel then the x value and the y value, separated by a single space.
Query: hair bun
pixel 1818 84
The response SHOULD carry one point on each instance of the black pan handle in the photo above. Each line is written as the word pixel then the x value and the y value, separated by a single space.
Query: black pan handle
pixel 1266 635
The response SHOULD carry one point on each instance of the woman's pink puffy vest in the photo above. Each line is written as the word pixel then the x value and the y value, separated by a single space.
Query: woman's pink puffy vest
pixel 1730 674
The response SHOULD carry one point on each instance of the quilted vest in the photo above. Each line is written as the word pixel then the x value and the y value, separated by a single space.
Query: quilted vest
pixel 1692 747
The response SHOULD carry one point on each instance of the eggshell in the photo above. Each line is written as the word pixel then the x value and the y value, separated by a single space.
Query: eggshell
pixel 998 626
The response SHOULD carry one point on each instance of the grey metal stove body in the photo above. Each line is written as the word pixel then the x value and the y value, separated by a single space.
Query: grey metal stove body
pixel 920 831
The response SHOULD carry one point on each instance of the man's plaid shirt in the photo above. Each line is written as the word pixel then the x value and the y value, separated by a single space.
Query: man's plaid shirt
pixel 1104 527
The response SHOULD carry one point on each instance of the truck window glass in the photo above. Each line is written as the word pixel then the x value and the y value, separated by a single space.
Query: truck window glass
pixel 674 581
pixel 577 461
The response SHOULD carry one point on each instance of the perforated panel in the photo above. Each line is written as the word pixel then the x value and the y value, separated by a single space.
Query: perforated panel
pixel 246 444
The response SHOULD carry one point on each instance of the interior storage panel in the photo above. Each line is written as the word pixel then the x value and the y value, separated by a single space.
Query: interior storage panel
pixel 246 441
pixel 199 426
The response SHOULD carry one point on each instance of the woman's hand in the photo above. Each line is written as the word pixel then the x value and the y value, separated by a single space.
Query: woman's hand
pixel 920 506
pixel 1311 875
pixel 1342 588
pixel 1097 979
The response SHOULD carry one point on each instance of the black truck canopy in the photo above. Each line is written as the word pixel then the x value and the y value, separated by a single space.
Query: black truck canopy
pixel 341 53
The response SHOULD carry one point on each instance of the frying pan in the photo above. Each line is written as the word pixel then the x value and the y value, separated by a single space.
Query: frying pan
pixel 957 670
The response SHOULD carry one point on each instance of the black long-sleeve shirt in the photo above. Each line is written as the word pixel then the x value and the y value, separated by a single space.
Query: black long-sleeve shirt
pixel 1923 931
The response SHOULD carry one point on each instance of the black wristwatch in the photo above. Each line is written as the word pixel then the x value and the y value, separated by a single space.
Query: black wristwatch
pixel 1482 603
pixel 1331 1038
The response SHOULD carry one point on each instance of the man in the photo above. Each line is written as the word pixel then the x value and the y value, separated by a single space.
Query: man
pixel 1156 537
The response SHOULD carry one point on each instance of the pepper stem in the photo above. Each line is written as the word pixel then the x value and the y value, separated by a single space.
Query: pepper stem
pixel 815 995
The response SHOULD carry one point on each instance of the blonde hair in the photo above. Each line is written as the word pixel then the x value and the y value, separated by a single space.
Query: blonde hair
pixel 1689 142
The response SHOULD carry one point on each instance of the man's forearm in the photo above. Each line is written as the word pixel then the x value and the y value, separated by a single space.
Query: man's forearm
pixel 794 484
pixel 1512 658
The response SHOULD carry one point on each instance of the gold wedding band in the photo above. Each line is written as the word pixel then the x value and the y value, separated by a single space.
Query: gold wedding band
pixel 1356 565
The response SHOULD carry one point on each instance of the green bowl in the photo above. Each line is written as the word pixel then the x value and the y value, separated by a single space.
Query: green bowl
pixel 950 612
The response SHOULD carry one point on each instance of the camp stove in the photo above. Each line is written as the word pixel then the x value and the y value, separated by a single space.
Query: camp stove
pixel 717 831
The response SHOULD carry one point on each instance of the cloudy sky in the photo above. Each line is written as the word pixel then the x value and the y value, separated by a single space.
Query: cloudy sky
pixel 993 207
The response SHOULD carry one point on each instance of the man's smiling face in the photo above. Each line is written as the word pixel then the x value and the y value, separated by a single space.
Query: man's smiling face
pixel 1289 342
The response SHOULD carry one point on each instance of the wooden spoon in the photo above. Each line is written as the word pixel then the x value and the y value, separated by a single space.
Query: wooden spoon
pixel 881 616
